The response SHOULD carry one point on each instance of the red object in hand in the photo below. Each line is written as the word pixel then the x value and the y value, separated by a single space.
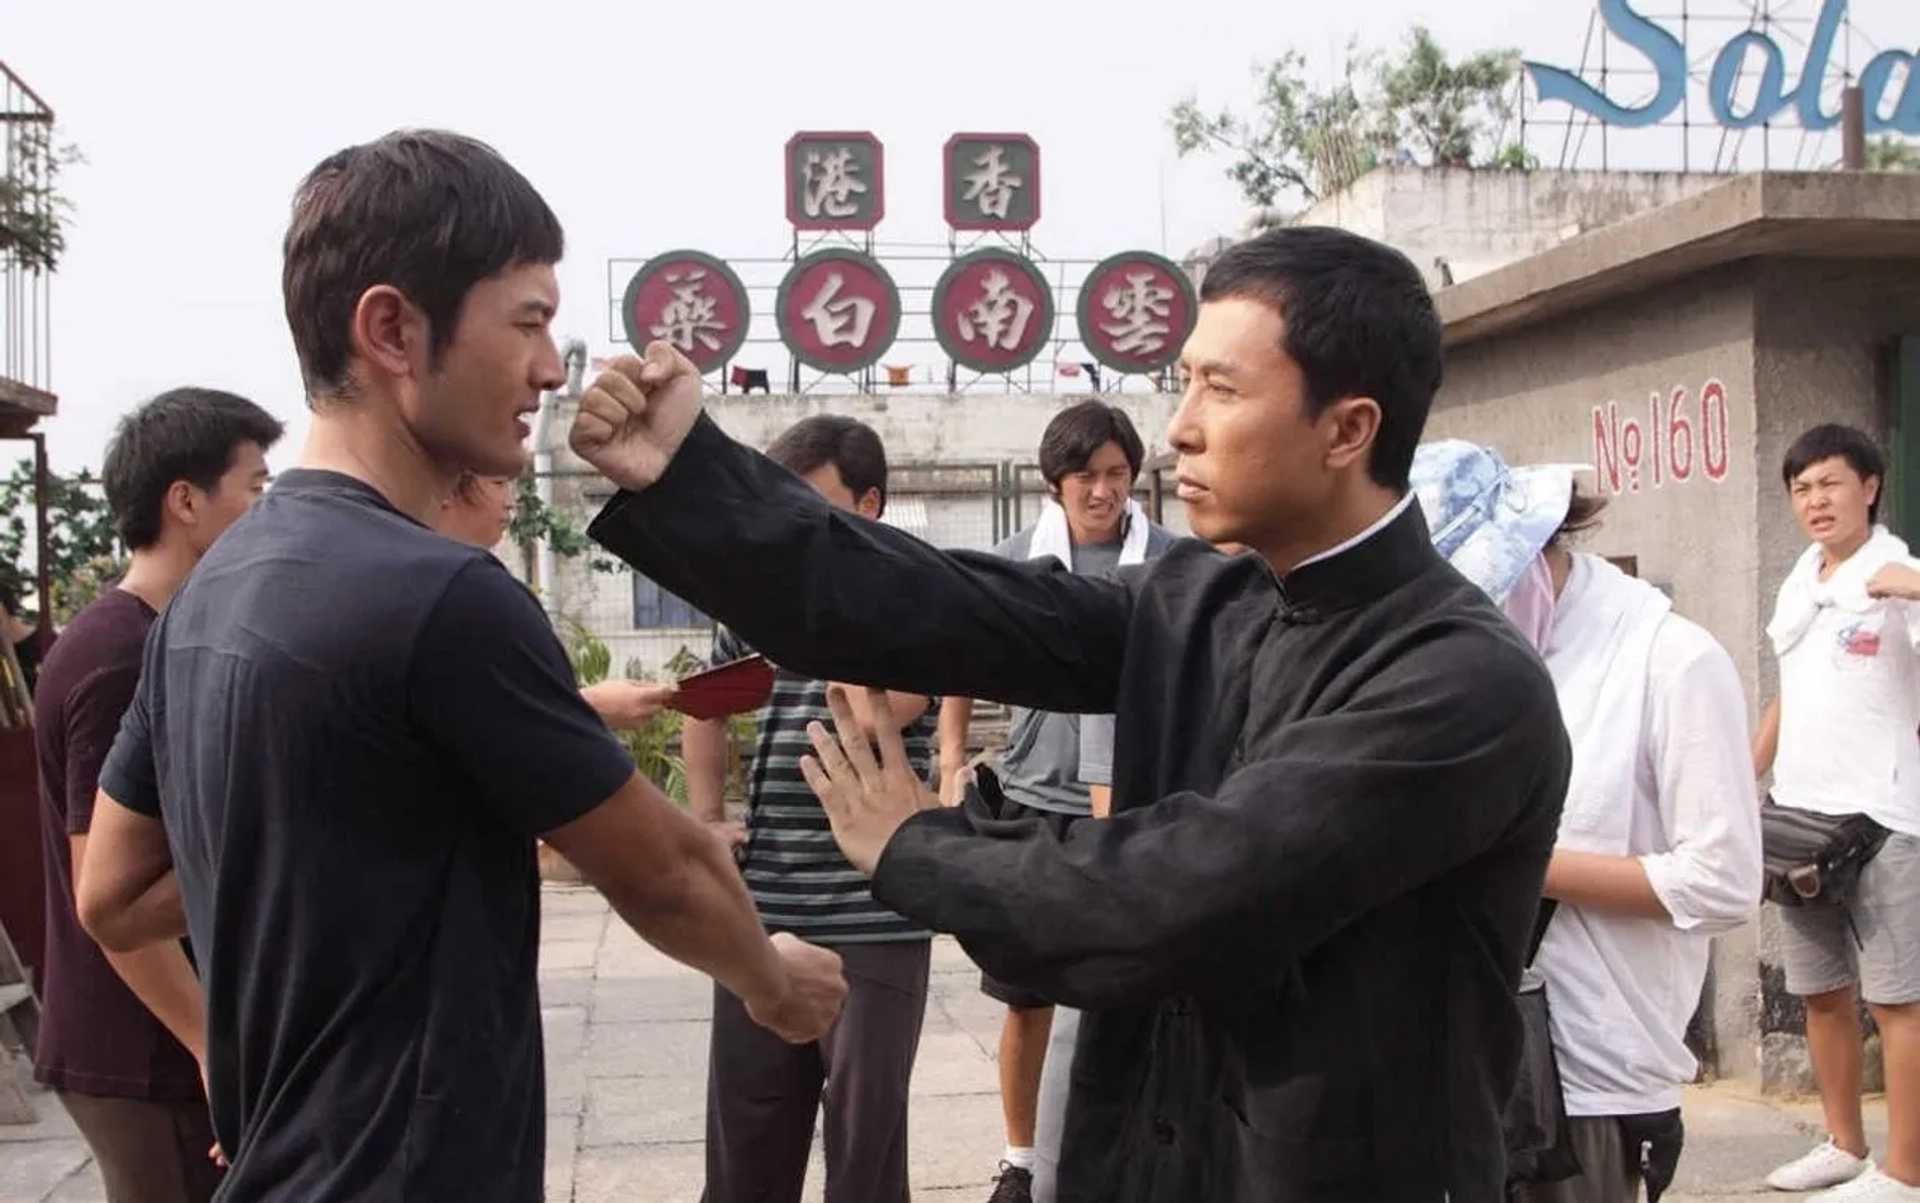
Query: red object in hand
pixel 732 688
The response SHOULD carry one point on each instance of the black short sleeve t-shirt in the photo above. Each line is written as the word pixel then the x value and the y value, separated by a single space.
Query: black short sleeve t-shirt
pixel 352 728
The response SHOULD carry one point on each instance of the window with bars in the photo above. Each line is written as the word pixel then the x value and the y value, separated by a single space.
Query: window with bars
pixel 655 609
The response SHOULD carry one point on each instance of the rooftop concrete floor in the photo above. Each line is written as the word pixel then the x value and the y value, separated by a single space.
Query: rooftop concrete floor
pixel 626 1039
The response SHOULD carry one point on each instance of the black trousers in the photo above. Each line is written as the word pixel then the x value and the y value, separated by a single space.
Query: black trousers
pixel 763 1093
pixel 147 1152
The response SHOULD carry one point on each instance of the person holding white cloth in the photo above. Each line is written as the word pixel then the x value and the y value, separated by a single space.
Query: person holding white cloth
pixel 1090 455
pixel 1659 844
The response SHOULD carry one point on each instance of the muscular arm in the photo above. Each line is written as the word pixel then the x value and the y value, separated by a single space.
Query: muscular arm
pixel 674 884
pixel 159 974
pixel 124 889
pixel 840 598
pixel 543 763
pixel 1432 763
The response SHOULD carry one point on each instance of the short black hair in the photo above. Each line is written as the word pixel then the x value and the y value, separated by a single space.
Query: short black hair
pixel 1583 515
pixel 1360 322
pixel 1081 429
pixel 1831 440
pixel 428 212
pixel 851 447
pixel 187 434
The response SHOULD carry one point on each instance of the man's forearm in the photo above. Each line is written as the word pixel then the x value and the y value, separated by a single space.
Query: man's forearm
pixel 907 708
pixel 1617 885
pixel 162 978
pixel 155 915
pixel 703 917
pixel 956 716
pixel 703 746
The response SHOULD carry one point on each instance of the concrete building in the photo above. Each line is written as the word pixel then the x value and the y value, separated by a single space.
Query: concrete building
pixel 1679 352
pixel 1457 223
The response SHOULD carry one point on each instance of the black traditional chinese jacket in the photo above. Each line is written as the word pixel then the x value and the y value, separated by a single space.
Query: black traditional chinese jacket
pixel 1298 938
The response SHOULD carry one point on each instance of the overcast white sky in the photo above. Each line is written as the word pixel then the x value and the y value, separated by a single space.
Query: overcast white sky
pixel 646 125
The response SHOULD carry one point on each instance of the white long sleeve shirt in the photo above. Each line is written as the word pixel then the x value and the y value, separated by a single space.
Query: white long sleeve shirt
pixel 1621 990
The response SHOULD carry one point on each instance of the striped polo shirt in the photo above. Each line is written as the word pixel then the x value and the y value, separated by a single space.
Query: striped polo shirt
pixel 799 880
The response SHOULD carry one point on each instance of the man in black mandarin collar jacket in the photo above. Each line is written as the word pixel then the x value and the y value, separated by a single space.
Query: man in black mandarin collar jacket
pixel 1338 770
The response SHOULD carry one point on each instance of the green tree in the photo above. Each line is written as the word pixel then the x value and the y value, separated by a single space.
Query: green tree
pixel 1301 139
pixel 1310 141
pixel 534 521
pixel 83 551
pixel 33 211
pixel 1888 153
pixel 1444 110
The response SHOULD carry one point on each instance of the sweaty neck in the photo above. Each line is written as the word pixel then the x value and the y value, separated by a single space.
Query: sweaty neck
pixel 1353 512
pixel 365 439
pixel 154 574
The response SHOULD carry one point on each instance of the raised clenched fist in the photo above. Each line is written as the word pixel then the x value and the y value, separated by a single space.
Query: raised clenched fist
pixel 636 414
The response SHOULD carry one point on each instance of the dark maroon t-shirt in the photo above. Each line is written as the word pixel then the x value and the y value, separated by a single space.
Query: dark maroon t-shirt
pixel 95 1036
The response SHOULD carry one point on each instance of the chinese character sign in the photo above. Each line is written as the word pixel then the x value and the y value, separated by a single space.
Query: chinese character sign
pixel 1136 310
pixel 838 310
pixel 691 300
pixel 992 182
pixel 992 311
pixel 835 181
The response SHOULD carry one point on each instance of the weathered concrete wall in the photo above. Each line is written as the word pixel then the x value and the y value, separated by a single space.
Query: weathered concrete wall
pixel 1584 392
pixel 1480 220
pixel 1685 399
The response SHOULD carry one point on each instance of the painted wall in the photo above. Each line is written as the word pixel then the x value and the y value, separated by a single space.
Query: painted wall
pixel 1684 400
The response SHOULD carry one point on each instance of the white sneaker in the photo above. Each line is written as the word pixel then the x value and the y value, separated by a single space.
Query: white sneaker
pixel 1827 1165
pixel 1872 1186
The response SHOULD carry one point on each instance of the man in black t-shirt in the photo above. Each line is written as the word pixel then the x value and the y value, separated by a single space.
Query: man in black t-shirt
pixel 349 729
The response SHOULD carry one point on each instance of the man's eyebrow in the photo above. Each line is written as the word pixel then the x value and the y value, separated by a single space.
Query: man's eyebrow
pixel 1209 367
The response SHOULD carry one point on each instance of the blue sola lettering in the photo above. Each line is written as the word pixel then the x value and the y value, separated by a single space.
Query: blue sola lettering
pixel 1667 55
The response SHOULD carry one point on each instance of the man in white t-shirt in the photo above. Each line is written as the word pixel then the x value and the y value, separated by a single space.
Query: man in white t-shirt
pixel 1841 739
pixel 1659 843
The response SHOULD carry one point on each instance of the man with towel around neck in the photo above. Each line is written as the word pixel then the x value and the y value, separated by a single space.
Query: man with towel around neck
pixel 1659 843
pixel 1839 739
pixel 1090 455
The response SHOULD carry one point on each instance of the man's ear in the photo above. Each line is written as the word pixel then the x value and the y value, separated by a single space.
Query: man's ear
pixel 182 501
pixel 389 332
pixel 871 504
pixel 1351 427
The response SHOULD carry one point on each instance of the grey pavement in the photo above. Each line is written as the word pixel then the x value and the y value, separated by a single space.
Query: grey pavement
pixel 626 1094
